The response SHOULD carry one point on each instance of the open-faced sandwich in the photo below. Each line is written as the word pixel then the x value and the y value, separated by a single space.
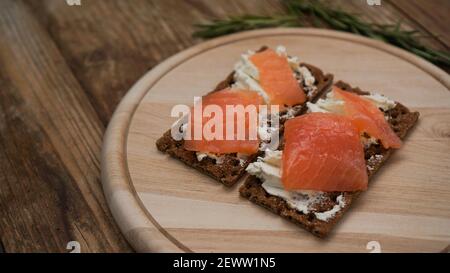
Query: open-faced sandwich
pixel 268 77
pixel 327 156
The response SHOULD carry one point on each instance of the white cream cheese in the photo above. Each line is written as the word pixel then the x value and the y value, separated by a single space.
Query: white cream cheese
pixel 301 73
pixel 266 132
pixel 381 101
pixel 333 105
pixel 201 156
pixel 368 141
pixel 246 66
pixel 268 136
pixel 308 78
pixel 244 81
pixel 268 170
pixel 291 112
pixel 242 159
pixel 293 61
pixel 246 74
pixel 184 127
pixel 328 105
pixel 326 215
pixel 375 159
pixel 281 51
pixel 218 158
pixel 296 200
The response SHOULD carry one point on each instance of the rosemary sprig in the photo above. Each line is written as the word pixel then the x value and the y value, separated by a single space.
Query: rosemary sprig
pixel 321 15
pixel 241 23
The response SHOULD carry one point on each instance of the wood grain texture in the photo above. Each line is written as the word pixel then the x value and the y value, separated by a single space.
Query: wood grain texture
pixel 392 11
pixel 156 197
pixel 110 44
pixel 431 16
pixel 50 141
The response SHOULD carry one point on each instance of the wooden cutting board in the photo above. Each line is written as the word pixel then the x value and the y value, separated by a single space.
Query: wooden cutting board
pixel 161 205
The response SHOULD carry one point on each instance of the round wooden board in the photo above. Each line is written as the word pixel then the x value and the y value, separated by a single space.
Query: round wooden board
pixel 162 205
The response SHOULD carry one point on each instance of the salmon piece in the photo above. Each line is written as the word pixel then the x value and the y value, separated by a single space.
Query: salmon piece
pixel 366 116
pixel 323 152
pixel 222 99
pixel 277 79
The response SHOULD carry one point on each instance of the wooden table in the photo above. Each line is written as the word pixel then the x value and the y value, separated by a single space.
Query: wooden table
pixel 64 69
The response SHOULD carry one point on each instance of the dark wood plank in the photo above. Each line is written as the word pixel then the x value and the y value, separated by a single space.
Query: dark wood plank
pixel 432 16
pixel 389 13
pixel 50 139
pixel 110 44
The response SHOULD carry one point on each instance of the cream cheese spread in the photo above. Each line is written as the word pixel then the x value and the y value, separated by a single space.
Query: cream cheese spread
pixel 246 74
pixel 268 170
pixel 381 101
pixel 333 105
pixel 218 158
pixel 324 216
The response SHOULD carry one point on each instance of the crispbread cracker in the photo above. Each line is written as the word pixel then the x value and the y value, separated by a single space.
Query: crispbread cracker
pixel 401 120
pixel 231 169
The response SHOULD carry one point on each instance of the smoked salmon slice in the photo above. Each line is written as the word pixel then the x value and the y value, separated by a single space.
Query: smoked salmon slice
pixel 277 79
pixel 323 152
pixel 228 97
pixel 368 118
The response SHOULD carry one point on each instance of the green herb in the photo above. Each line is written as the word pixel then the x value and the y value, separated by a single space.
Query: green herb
pixel 321 15
pixel 241 23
